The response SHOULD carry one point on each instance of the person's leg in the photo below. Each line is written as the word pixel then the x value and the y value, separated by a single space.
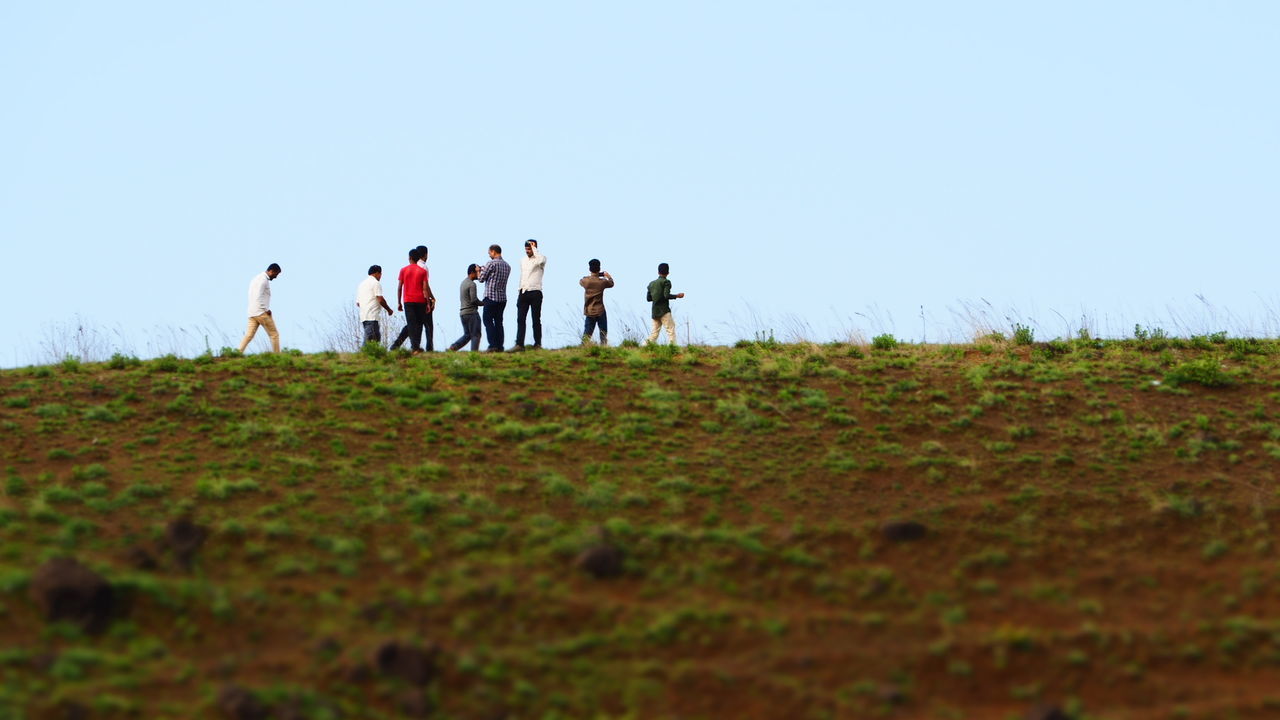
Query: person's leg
pixel 669 323
pixel 428 329
pixel 522 311
pixel 473 327
pixel 404 332
pixel 588 327
pixel 488 321
pixel 466 335
pixel 602 322
pixel 370 328
pixel 268 322
pixel 249 333
pixel 535 304
pixel 653 331
pixel 498 331
pixel 413 318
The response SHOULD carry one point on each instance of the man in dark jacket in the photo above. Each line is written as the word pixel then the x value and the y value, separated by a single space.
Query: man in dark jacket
pixel 660 295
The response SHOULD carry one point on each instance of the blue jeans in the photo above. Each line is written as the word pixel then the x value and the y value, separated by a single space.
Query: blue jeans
pixel 493 322
pixel 470 332
pixel 592 323
pixel 372 331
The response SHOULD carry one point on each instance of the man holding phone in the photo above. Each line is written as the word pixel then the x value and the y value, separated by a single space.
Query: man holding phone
pixel 594 285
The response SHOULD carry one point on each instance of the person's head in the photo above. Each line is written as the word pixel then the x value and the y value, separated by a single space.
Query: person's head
pixel 376 271
pixel 664 269
pixel 273 270
pixel 414 255
pixel 495 251
pixel 422 252
pixel 593 265
pixel 529 245
pixel 473 270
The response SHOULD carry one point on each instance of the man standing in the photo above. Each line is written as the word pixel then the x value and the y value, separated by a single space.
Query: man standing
pixel 428 325
pixel 371 303
pixel 594 285
pixel 532 266
pixel 470 312
pixel 412 291
pixel 494 275
pixel 260 308
pixel 659 294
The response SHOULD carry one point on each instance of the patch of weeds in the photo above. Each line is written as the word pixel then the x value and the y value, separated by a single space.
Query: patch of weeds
pixel 1205 371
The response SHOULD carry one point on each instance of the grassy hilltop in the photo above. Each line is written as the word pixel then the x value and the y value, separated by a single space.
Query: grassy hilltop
pixel 764 531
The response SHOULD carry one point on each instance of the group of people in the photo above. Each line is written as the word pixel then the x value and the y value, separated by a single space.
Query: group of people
pixel 416 300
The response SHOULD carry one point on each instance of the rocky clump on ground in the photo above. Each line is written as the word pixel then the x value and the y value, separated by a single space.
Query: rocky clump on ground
pixel 184 539
pixel 601 561
pixel 66 591
pixel 903 531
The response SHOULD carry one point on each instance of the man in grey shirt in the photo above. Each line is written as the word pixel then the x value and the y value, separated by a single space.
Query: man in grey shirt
pixel 469 312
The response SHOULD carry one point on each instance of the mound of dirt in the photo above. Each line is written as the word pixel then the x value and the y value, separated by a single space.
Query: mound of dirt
pixel 903 531
pixel 237 703
pixel 1046 712
pixel 413 664
pixel 65 590
pixel 601 561
pixel 184 538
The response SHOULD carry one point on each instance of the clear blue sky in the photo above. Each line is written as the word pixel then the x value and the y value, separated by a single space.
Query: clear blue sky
pixel 841 162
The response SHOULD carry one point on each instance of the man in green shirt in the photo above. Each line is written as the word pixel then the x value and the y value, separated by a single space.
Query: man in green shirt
pixel 660 295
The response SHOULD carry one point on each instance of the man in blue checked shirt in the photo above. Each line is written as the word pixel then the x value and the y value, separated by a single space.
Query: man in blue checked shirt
pixel 494 275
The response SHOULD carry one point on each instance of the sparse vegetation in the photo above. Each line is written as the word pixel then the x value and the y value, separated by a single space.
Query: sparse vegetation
pixel 610 531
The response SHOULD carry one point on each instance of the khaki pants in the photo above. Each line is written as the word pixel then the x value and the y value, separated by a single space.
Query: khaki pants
pixel 667 323
pixel 269 324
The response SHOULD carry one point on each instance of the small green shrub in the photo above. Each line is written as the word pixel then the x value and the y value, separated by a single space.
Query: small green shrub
pixel 121 362
pixel 1023 335
pixel 884 342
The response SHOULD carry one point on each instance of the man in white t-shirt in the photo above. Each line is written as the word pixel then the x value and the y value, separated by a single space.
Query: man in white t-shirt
pixel 371 302
pixel 532 266
pixel 260 308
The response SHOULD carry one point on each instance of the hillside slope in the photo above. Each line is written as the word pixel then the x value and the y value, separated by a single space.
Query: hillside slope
pixel 755 532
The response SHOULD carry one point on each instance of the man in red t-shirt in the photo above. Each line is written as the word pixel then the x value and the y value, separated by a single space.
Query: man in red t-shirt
pixel 413 293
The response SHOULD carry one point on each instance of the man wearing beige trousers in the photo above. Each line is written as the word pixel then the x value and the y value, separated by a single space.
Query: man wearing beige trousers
pixel 260 308
pixel 659 293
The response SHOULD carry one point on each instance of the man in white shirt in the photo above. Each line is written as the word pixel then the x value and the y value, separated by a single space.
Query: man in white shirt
pixel 260 308
pixel 532 266
pixel 371 302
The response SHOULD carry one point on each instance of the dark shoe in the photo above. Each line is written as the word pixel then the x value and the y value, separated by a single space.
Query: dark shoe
pixel 537 346
pixel 516 348
pixel 451 348
pixel 493 350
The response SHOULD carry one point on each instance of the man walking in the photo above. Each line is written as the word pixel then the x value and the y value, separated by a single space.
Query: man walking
pixel 469 313
pixel 659 294
pixel 411 292
pixel 260 308
pixel 594 285
pixel 494 275
pixel 532 266
pixel 371 303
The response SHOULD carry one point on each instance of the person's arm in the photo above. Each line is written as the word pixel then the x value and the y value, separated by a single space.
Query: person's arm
pixel 473 297
pixel 484 272
pixel 400 292
pixel 264 295
pixel 426 293
pixel 539 260
pixel 383 302
pixel 608 280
